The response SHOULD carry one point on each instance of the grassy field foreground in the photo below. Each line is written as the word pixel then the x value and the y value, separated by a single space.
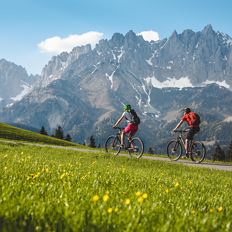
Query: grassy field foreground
pixel 45 189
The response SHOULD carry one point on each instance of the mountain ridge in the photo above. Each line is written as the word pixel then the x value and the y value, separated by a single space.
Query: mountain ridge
pixel 84 91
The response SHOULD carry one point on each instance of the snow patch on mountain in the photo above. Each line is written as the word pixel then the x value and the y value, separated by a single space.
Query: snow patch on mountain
pixel 228 119
pixel 26 90
pixel 120 55
pixel 111 78
pixel 54 120
pixel 182 82
pixel 220 83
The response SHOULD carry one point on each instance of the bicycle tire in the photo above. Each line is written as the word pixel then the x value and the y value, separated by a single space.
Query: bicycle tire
pixel 198 152
pixel 174 150
pixel 113 145
pixel 136 147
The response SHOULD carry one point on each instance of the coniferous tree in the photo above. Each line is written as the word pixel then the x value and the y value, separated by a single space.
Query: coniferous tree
pixel 68 137
pixel 59 133
pixel 229 152
pixel 150 151
pixel 218 154
pixel 43 131
pixel 92 142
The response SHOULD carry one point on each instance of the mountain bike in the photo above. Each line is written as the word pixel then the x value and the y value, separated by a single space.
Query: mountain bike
pixel 175 148
pixel 133 146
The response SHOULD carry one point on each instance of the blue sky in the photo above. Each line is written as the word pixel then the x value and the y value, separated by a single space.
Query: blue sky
pixel 32 31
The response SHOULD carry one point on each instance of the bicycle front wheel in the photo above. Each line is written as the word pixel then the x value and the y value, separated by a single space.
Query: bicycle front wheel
pixel 198 152
pixel 136 147
pixel 174 150
pixel 112 145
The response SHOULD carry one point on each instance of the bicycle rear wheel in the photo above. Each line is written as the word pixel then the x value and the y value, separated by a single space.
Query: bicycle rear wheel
pixel 112 145
pixel 174 150
pixel 198 151
pixel 136 147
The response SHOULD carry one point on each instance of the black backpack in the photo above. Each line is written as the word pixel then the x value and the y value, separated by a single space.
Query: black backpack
pixel 135 118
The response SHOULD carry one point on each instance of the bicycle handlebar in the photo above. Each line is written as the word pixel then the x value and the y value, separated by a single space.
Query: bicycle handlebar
pixel 181 131
pixel 119 128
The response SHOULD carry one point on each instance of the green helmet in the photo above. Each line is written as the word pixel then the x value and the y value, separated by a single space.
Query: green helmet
pixel 126 107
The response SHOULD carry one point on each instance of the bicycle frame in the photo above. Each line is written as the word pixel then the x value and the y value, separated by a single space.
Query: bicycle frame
pixel 176 147
pixel 134 145
pixel 181 139
pixel 126 136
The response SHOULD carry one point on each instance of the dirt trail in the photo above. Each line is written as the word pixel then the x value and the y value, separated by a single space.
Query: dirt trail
pixel 224 167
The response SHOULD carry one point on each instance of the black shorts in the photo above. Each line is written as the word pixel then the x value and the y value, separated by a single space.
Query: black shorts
pixel 192 132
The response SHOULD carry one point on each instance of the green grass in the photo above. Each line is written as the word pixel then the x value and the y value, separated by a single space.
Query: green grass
pixel 45 189
pixel 14 133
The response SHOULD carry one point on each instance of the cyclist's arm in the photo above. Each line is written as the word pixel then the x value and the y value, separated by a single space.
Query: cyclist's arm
pixel 119 120
pixel 178 125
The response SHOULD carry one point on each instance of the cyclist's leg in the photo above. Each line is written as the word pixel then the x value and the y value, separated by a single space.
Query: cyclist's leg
pixel 134 129
pixel 189 138
pixel 126 130
pixel 122 137
pixel 130 130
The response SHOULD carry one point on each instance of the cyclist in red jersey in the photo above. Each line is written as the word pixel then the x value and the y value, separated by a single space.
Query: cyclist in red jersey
pixel 191 118
pixel 131 127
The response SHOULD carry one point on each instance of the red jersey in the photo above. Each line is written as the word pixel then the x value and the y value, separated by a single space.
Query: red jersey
pixel 190 118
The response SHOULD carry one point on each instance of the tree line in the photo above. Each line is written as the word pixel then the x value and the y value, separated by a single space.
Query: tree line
pixel 58 133
pixel 222 154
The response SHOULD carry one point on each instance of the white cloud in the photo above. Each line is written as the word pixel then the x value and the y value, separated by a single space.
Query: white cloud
pixel 57 44
pixel 149 35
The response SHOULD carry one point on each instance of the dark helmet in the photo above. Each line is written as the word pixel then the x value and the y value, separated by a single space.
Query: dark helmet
pixel 187 110
pixel 126 107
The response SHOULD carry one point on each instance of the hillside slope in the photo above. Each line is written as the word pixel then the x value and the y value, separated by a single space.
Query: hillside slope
pixel 14 133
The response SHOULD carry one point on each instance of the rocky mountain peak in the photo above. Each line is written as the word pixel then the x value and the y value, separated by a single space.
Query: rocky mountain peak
pixel 117 39
pixel 14 82
pixel 208 29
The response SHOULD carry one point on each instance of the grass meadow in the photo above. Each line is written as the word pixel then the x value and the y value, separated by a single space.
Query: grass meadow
pixel 48 189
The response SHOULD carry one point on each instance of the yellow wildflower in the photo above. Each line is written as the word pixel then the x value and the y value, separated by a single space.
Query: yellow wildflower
pixel 140 199
pixel 95 198
pixel 106 197
pixel 63 175
pixel 35 175
pixel 110 210
pixel 127 201
pixel 177 184
pixel 167 190
pixel 138 194
pixel 220 209
pixel 144 196
pixel 116 209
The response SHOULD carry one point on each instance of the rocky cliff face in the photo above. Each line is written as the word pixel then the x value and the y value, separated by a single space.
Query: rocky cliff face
pixel 84 90
pixel 14 83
